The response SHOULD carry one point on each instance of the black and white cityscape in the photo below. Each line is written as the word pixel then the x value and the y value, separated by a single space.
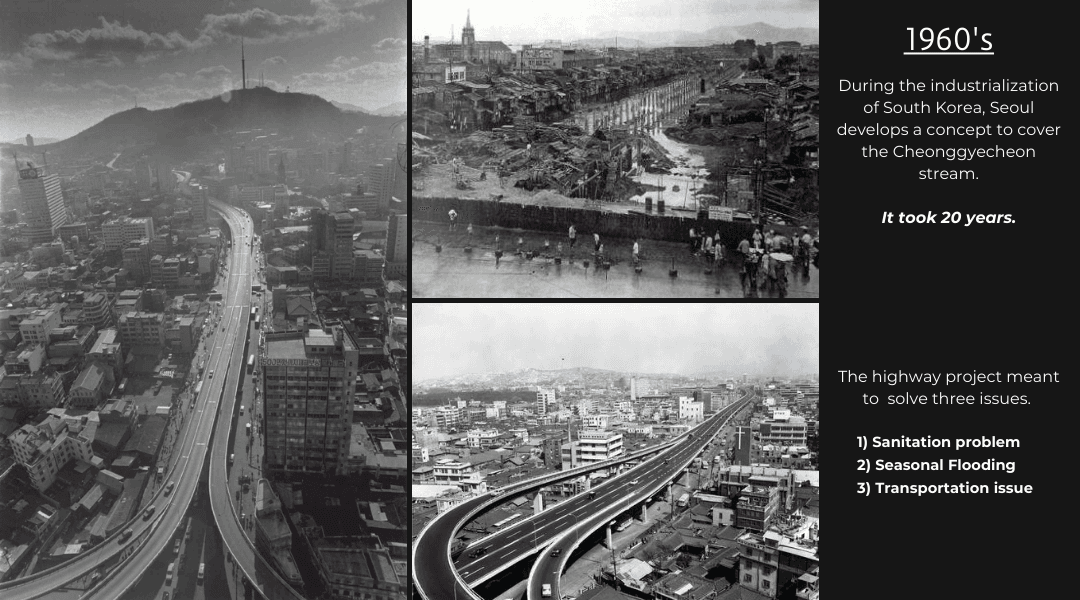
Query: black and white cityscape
pixel 204 346
pixel 641 150
pixel 572 451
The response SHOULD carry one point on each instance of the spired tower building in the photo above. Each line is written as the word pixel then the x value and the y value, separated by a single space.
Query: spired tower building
pixel 468 39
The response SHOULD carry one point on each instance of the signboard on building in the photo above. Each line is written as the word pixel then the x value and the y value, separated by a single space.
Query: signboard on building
pixel 301 362
pixel 722 213
pixel 455 74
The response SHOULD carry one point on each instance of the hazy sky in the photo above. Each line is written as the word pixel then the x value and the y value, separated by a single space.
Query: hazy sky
pixel 455 339
pixel 67 64
pixel 571 19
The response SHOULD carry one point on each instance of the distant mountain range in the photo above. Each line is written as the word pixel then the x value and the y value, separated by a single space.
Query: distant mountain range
pixel 761 33
pixel 396 109
pixel 524 378
pixel 187 128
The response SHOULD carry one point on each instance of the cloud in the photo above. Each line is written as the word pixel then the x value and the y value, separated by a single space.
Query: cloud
pixel 171 77
pixel 107 39
pixel 389 44
pixel 373 70
pixel 343 62
pixel 275 60
pixel 260 24
pixel 96 86
pixel 212 73
pixel 107 42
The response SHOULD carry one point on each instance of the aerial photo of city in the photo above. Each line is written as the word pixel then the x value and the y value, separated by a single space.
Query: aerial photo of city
pixel 634 149
pixel 575 452
pixel 204 345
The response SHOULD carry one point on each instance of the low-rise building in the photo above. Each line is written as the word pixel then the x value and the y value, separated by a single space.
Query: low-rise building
pixel 45 448
pixel 142 329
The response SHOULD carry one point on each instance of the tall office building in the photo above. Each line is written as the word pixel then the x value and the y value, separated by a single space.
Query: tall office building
pixel 43 204
pixel 380 181
pixel 397 249
pixel 544 398
pixel 309 378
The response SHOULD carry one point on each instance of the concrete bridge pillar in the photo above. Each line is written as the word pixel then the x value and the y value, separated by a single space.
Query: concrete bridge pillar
pixel 588 483
pixel 610 544
pixel 538 503
pixel 644 513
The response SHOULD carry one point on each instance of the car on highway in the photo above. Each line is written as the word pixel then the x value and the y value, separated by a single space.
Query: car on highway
pixel 211 373
pixel 124 536
pixel 545 590
pixel 241 409
pixel 169 488
pixel 478 553
pixel 165 595
pixel 496 492
pixel 149 512
pixel 635 482
pixel 176 546
pixel 556 552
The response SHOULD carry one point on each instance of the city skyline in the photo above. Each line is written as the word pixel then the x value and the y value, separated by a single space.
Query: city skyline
pixel 459 339
pixel 549 20
pixel 64 68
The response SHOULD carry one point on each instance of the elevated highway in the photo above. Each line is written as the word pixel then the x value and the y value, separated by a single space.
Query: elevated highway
pixel 619 496
pixel 443 578
pixel 116 557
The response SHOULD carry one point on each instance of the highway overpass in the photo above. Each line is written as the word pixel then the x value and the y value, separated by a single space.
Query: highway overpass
pixel 442 578
pixel 115 557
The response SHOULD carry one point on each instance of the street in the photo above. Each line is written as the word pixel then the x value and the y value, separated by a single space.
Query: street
pixel 455 273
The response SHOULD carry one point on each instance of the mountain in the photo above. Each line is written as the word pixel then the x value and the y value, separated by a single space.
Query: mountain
pixel 396 109
pixel 530 378
pixel 186 128
pixel 761 33
pixel 350 107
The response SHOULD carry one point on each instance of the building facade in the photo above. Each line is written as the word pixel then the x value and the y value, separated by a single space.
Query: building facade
pixel 309 378
pixel 117 233
pixel 43 204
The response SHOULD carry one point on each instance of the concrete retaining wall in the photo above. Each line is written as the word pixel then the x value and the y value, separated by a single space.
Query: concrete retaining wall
pixel 666 227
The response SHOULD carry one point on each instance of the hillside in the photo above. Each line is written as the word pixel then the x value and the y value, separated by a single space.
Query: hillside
pixel 178 130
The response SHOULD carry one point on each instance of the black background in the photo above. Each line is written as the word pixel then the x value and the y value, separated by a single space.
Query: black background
pixel 947 298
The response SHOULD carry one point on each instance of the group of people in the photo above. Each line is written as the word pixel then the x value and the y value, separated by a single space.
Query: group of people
pixel 708 246
pixel 757 264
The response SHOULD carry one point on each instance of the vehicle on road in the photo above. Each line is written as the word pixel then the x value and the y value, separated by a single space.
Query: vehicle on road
pixel 211 373
pixel 169 488
pixel 478 553
pixel 169 573
pixel 556 552
pixel 124 536
pixel 176 546
pixel 545 590
pixel 202 568
pixel 241 409
pixel 635 482
pixel 149 512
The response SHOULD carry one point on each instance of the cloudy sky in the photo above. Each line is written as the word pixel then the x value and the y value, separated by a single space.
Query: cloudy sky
pixel 67 64
pixel 571 19
pixel 455 339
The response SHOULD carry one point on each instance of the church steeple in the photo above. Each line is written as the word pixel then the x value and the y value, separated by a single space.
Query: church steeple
pixel 468 39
